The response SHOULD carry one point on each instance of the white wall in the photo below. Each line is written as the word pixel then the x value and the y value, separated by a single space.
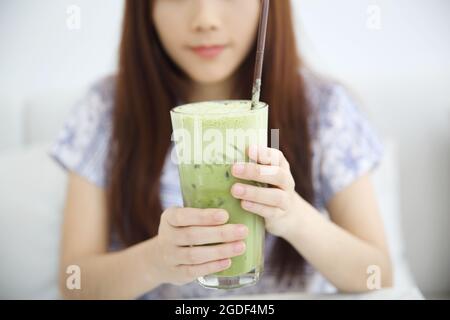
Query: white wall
pixel 40 54
pixel 39 51
pixel 401 73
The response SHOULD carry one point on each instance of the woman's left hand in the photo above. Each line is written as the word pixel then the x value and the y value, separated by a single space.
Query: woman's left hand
pixel 278 203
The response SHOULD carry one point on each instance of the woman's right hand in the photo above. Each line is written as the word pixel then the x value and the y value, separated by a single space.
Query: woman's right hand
pixel 183 232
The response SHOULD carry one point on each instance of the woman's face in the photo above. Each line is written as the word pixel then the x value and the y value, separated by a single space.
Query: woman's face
pixel 226 29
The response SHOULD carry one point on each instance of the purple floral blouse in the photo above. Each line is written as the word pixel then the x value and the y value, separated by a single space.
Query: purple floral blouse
pixel 345 146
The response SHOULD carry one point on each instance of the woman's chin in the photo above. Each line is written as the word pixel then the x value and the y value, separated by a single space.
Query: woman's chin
pixel 209 77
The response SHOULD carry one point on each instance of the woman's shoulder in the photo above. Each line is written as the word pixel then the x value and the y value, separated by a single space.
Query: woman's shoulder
pixel 332 106
pixel 105 88
pixel 317 87
pixel 83 143
pixel 100 95
pixel 321 91
pixel 345 143
pixel 96 106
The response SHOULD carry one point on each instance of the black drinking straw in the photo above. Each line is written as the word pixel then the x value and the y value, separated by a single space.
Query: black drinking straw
pixel 256 92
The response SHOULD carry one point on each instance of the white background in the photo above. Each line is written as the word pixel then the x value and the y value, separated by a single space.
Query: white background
pixel 401 73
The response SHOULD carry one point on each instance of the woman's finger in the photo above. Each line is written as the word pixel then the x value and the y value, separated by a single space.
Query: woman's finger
pixel 268 156
pixel 267 212
pixel 269 196
pixel 203 254
pixel 192 236
pixel 273 175
pixel 182 217
pixel 200 270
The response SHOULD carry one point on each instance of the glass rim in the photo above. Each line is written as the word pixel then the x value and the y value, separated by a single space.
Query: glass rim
pixel 264 105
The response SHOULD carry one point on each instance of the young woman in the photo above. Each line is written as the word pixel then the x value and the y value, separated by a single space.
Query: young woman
pixel 124 223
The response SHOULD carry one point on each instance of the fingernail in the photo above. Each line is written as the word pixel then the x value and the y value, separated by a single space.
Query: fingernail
pixel 220 215
pixel 242 230
pixel 253 152
pixel 239 247
pixel 247 204
pixel 238 190
pixel 225 263
pixel 238 168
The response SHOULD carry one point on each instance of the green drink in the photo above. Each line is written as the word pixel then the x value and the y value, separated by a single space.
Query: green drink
pixel 209 138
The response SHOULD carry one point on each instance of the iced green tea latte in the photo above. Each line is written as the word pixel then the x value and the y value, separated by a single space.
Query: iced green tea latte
pixel 209 138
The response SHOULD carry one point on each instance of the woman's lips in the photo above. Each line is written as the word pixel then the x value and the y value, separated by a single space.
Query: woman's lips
pixel 208 52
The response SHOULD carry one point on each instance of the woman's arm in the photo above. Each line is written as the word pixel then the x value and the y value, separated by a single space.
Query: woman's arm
pixel 174 256
pixel 341 249
pixel 122 275
pixel 344 248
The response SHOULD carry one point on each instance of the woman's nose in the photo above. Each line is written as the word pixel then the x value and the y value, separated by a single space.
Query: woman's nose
pixel 205 16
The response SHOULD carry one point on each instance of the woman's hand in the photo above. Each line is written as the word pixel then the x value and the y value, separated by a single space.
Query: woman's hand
pixel 277 204
pixel 183 231
pixel 357 243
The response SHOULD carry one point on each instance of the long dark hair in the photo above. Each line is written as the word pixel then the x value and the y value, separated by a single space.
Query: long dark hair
pixel 149 84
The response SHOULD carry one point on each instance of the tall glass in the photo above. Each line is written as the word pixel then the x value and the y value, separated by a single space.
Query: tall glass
pixel 209 137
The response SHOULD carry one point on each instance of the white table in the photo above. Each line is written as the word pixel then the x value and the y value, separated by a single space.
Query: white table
pixel 411 293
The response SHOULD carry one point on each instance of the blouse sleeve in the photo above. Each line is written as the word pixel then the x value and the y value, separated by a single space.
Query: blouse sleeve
pixel 82 145
pixel 349 145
